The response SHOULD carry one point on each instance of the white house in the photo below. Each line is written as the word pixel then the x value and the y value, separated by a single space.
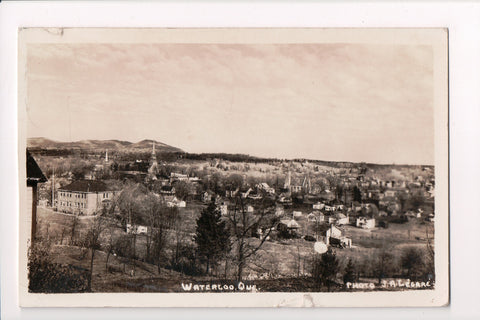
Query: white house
pixel 333 236
pixel 132 229
pixel 297 214
pixel 318 206
pixel 246 193
pixel 365 223
pixel 224 209
pixel 174 176
pixel 265 187
pixel 341 219
pixel 315 216
pixel 329 208
pixel 176 203
pixel 290 224
pixel 390 193
pixel 279 211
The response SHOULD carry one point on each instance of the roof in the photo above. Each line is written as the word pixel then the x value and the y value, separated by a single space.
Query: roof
pixel 34 173
pixel 86 186
pixel 290 223
pixel 365 218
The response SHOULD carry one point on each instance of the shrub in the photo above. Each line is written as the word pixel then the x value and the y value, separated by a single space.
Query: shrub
pixel 349 275
pixel 48 277
pixel 383 224
pixel 412 260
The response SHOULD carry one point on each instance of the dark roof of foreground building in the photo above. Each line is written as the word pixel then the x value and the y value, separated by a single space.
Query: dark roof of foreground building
pixel 34 173
pixel 86 186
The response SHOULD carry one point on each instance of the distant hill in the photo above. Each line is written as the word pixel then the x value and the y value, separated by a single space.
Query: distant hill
pixel 147 144
pixel 95 145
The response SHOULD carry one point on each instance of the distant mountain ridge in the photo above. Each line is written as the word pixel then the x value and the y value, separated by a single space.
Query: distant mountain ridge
pixel 44 143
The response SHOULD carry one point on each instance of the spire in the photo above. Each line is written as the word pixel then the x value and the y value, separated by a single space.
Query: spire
pixel 154 156
pixel 53 188
pixel 153 170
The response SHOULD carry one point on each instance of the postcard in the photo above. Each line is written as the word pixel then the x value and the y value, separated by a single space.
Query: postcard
pixel 232 167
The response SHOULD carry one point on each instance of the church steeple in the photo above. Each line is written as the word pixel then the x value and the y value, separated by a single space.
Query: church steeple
pixel 154 155
pixel 153 170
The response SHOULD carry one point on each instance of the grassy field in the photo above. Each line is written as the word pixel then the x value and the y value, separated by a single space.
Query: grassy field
pixel 276 260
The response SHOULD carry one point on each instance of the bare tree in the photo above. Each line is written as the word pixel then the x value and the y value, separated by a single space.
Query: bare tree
pixel 159 219
pixel 244 224
pixel 182 189
pixel 180 241
pixel 383 265
pixel 130 203
pixel 430 258
pixel 92 242
pixel 62 235
pixel 159 241
pixel 153 207
pixel 111 242
pixel 332 181
pixel 122 246
pixel 73 227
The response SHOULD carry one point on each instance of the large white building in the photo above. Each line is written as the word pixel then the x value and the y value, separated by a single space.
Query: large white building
pixel 84 197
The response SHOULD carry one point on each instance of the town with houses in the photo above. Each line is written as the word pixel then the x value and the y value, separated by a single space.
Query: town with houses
pixel 281 220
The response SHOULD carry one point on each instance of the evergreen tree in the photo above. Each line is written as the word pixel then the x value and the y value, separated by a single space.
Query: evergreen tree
pixel 412 260
pixel 211 237
pixel 349 275
pixel 357 195
pixel 325 269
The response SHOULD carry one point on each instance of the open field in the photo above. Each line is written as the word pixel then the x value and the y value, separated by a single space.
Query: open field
pixel 277 259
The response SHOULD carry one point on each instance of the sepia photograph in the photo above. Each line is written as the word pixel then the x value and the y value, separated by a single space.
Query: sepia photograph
pixel 260 167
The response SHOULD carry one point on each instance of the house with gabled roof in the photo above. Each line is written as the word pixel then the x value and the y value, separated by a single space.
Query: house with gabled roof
pixel 334 236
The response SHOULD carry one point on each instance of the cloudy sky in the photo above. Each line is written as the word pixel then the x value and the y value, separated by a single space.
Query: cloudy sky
pixel 345 102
